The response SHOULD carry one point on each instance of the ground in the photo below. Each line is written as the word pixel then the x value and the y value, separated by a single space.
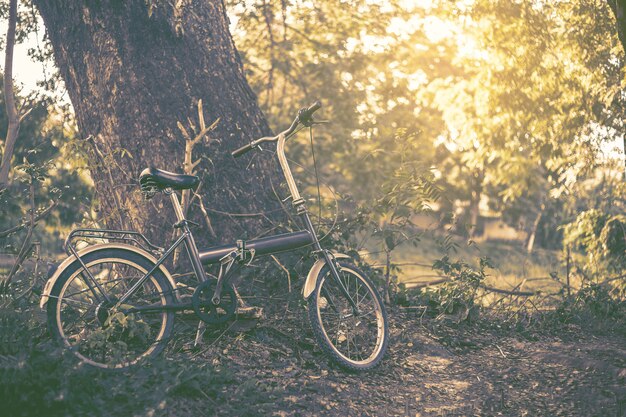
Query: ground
pixel 539 366
pixel 458 370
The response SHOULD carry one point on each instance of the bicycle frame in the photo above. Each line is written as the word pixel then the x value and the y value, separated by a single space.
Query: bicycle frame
pixel 228 254
pixel 106 277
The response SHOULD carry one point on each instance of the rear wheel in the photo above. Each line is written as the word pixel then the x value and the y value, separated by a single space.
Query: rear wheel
pixel 102 333
pixel 354 341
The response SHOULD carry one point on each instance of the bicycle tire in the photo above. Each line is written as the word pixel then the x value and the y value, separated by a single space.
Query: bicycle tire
pixel 86 341
pixel 338 348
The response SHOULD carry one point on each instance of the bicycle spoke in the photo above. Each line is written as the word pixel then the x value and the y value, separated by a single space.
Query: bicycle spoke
pixel 100 333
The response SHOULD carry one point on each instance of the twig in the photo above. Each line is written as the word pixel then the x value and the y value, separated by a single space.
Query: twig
pixel 518 293
pixel 284 269
pixel 606 281
pixel 26 246
pixel 226 213
pixel 189 168
pixel 502 298
pixel 38 217
pixel 407 264
pixel 207 219
pixel 501 352
pixel 33 281
pixel 428 283
pixel 216 340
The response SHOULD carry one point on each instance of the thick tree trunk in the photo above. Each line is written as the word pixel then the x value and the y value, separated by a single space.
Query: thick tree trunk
pixel 133 71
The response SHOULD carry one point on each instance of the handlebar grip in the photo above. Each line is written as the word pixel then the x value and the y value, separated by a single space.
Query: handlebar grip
pixel 314 107
pixel 244 149
pixel 306 113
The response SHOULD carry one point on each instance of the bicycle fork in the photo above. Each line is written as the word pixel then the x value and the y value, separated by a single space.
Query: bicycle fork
pixel 328 256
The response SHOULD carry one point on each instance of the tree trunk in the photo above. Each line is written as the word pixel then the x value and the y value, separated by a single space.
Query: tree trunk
pixel 474 207
pixel 133 70
pixel 619 10
pixel 9 98
pixel 532 236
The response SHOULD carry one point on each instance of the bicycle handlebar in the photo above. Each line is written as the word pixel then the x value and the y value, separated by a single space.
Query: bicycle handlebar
pixel 304 117
pixel 244 149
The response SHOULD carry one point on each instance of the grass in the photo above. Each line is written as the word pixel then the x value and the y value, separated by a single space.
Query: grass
pixel 512 264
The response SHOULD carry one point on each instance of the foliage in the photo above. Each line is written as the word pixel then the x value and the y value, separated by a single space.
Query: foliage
pixel 36 378
pixel 595 305
pixel 42 152
pixel 508 101
pixel 498 101
pixel 457 297
pixel 602 237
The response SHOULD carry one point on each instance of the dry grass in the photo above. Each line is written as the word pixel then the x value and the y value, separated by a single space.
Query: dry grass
pixel 512 264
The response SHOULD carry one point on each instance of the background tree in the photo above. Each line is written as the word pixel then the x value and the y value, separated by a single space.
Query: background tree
pixel 619 8
pixel 46 145
pixel 12 113
pixel 505 102
pixel 510 99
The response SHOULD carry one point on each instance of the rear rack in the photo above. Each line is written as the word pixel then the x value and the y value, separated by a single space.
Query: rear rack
pixel 107 235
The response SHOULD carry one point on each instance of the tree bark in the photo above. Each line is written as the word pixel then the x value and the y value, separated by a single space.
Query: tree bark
pixel 133 70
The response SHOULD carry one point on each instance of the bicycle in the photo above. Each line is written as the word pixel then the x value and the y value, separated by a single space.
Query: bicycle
pixel 113 304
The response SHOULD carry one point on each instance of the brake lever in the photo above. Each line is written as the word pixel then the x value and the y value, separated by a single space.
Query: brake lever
pixel 320 122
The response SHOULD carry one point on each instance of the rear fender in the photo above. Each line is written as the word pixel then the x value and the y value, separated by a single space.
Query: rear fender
pixel 311 278
pixel 56 273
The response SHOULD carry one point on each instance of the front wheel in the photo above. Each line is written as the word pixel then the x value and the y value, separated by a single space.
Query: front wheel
pixel 355 340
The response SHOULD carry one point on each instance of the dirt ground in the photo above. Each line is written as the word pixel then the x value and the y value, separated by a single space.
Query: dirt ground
pixel 465 370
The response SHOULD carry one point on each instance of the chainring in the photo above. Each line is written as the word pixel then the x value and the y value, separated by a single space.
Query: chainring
pixel 209 312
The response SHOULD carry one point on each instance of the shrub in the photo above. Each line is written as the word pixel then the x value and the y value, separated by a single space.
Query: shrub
pixel 456 298
pixel 602 237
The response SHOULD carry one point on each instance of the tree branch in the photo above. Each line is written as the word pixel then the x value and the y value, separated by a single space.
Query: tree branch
pixel 38 217
pixel 485 287
pixel 26 248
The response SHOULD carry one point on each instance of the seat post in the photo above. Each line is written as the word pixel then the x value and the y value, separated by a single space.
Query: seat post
pixel 190 242
pixel 180 216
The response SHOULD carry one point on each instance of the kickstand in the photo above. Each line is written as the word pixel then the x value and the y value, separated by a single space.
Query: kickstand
pixel 199 333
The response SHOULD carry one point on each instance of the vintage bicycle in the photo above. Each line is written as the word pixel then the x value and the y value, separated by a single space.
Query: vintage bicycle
pixel 113 304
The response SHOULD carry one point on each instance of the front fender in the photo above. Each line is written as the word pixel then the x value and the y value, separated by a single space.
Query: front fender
pixel 311 278
pixel 69 260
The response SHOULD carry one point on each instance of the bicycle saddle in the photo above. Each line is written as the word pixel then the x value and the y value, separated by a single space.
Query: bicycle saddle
pixel 157 178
